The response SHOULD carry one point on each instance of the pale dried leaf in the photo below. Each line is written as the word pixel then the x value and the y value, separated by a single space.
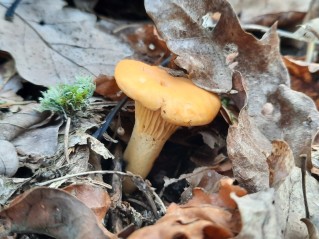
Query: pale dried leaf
pixel 250 9
pixel 258 215
pixel 248 148
pixel 38 142
pixel 53 44
pixel 13 125
pixel 9 161
pixel 290 208
pixel 9 186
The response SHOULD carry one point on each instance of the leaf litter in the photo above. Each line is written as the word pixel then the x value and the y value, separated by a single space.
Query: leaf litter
pixel 271 125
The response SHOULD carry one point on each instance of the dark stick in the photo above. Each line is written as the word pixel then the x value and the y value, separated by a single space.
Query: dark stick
pixel 303 158
pixel 10 12
pixel 99 132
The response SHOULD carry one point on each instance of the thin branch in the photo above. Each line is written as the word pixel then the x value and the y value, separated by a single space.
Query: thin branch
pixel 82 174
pixel 303 158
pixel 66 139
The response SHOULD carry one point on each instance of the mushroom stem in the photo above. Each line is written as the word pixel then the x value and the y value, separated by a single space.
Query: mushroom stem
pixel 149 135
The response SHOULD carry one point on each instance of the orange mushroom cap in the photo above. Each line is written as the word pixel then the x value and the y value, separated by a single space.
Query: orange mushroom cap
pixel 181 102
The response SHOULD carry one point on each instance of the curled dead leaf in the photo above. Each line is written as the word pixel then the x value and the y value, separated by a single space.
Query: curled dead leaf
pixel 9 161
pixel 51 212
pixel 107 87
pixel 206 215
pixel 312 230
pixel 94 197
pixel 280 162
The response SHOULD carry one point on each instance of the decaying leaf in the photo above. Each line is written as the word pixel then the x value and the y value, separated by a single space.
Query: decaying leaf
pixel 9 161
pixel 8 187
pixel 38 142
pixel 221 197
pixel 303 77
pixel 248 149
pixel 81 138
pixel 51 212
pixel 147 44
pixel 289 203
pixel 107 87
pixel 94 197
pixel 298 131
pixel 266 12
pixel 204 52
pixel 312 230
pixel 205 178
pixel 53 44
pixel 204 216
pixel 13 125
pixel 258 215
pixel 200 51
pixel 280 162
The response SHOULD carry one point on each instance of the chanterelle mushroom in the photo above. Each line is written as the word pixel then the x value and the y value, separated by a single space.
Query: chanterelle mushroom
pixel 162 104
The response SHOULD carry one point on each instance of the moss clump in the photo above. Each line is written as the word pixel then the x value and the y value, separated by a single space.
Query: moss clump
pixel 68 99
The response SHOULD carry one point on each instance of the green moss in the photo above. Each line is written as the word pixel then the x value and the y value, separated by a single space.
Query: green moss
pixel 68 99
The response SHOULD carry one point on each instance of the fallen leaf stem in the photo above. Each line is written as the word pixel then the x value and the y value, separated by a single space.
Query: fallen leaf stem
pixel 303 158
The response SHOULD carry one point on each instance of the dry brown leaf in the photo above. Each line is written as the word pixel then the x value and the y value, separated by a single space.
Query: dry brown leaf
pixel 312 230
pixel 53 44
pixel 107 87
pixel 147 44
pixel 94 197
pixel 280 162
pixel 298 131
pixel 200 51
pixel 205 178
pixel 303 77
pixel 14 124
pixel 51 212
pixel 247 148
pixel 221 198
pixel 198 219
pixel 204 53
pixel 266 12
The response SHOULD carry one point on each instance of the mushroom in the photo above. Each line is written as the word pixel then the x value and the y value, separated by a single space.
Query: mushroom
pixel 162 104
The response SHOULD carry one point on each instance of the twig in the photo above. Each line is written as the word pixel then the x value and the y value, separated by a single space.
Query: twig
pixel 5 105
pixel 310 51
pixel 159 202
pixel 82 174
pixel 303 158
pixel 281 33
pixel 98 133
pixel 10 12
pixel 66 139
